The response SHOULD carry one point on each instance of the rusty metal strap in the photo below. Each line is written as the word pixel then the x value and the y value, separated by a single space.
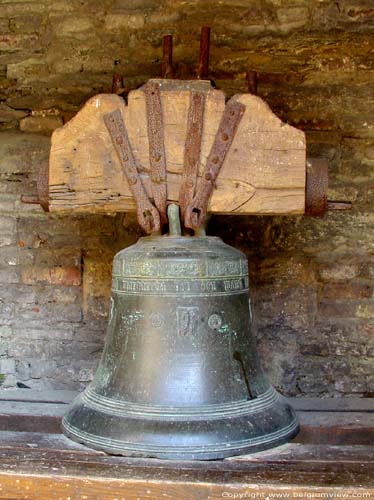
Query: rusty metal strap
pixel 192 150
pixel 157 158
pixel 196 211
pixel 148 216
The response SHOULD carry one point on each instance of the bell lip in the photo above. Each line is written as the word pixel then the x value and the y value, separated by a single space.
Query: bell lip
pixel 224 440
pixel 203 452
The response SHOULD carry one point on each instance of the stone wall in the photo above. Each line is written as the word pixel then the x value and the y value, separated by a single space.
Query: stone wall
pixel 312 279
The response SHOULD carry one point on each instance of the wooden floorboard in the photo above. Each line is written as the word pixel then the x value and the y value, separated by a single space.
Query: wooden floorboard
pixel 333 454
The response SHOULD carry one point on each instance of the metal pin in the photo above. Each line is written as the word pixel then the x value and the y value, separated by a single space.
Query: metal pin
pixel 30 199
pixel 117 83
pixel 167 57
pixel 203 68
pixel 339 205
pixel 251 78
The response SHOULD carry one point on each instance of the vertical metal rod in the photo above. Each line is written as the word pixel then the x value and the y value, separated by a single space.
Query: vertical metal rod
pixel 251 78
pixel 174 220
pixel 117 83
pixel 203 68
pixel 167 57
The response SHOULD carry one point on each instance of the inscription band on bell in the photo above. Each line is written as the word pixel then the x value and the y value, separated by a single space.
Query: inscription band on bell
pixel 235 284
pixel 167 269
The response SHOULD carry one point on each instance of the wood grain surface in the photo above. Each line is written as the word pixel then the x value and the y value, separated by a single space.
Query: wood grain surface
pixel 263 173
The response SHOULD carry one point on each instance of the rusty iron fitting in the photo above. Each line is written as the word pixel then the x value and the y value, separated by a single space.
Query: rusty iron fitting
pixel 316 202
pixel 167 70
pixel 203 67
pixel 197 209
pixel 147 213
pixel 316 186
pixel 156 143
pixel 251 79
pixel 117 84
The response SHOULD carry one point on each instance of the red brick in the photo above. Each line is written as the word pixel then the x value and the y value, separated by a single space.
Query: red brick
pixel 67 276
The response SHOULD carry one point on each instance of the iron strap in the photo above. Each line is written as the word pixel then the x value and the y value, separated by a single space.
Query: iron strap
pixel 192 150
pixel 196 211
pixel 157 157
pixel 148 216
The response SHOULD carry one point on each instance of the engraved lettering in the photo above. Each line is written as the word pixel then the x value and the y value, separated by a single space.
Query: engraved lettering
pixel 170 269
pixel 233 285
pixel 177 286
pixel 208 286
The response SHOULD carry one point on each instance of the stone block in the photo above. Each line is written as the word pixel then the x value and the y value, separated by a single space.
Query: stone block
pixel 31 68
pixel 22 153
pixel 365 310
pixel 3 347
pixel 141 5
pixel 10 42
pixel 44 332
pixel 23 369
pixel 24 349
pixel 119 22
pixel 9 275
pixel 48 314
pixel 42 368
pixel 10 381
pixel 339 272
pixel 40 124
pixel 66 276
pixel 20 8
pixel 5 331
pixel 292 17
pixel 330 309
pixel 75 26
pixel 7 366
pixel 8 114
pixel 21 294
pixel 65 256
pixel 347 291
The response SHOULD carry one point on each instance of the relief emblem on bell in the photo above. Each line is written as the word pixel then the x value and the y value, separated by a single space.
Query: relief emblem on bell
pixel 187 318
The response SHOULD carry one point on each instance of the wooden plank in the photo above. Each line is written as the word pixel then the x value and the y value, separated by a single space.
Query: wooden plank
pixel 320 426
pixel 39 465
pixel 69 487
pixel 264 171
pixel 79 462
pixel 350 404
pixel 31 417
pixel 42 441
pixel 336 427
pixel 29 395
pixel 295 453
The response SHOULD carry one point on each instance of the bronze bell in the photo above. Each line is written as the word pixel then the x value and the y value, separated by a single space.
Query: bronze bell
pixel 179 376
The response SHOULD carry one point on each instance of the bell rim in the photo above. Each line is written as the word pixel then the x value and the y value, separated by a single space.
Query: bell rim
pixel 204 451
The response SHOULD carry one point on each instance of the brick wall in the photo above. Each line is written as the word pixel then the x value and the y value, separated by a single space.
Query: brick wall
pixel 312 279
